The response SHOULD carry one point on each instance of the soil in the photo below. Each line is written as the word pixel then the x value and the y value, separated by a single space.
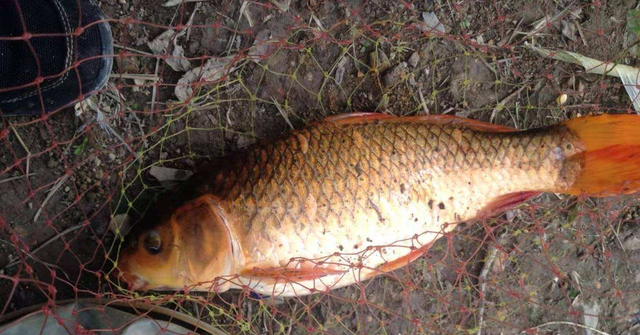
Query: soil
pixel 558 258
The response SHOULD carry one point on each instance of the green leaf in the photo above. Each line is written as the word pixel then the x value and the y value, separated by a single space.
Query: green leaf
pixel 573 293
pixel 633 21
pixel 80 148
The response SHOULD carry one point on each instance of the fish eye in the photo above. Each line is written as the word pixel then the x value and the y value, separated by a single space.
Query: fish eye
pixel 152 242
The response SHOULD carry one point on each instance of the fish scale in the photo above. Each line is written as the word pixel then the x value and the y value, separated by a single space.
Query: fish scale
pixel 452 167
pixel 362 194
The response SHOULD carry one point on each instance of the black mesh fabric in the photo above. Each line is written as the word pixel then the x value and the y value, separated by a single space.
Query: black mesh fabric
pixel 53 56
pixel 19 65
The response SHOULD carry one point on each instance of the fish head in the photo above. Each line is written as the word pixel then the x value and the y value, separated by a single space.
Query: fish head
pixel 189 248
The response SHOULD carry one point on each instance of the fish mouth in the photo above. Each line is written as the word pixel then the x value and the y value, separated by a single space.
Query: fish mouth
pixel 132 281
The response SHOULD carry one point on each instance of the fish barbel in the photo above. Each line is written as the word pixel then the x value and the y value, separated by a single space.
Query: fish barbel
pixel 356 195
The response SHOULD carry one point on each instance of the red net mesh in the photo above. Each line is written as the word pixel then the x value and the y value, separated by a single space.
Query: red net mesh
pixel 194 80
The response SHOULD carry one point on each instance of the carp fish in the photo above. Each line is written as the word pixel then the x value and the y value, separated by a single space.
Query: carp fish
pixel 356 195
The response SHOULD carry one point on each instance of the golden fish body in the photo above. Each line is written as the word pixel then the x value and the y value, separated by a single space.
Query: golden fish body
pixel 348 198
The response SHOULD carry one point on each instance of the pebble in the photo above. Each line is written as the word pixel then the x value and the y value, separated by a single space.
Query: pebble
pixel 193 46
pixel 52 163
pixel 412 80
pixel 245 140
pixel 396 74
pixel 67 189
pixel 414 59
pixel 631 243
pixel 112 156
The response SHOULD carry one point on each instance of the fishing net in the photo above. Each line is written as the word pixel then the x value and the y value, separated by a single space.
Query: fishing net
pixel 194 80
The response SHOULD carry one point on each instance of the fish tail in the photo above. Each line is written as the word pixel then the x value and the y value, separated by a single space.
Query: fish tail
pixel 610 162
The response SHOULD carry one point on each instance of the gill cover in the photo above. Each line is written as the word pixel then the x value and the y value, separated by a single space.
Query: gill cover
pixel 191 248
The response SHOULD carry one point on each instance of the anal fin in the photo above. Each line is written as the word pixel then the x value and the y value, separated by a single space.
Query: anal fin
pixel 404 260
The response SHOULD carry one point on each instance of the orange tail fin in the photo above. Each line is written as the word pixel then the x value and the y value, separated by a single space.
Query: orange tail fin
pixel 611 160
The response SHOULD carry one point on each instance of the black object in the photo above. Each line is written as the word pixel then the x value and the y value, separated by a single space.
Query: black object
pixel 63 48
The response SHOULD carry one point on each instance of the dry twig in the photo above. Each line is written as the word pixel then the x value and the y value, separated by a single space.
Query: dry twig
pixel 53 190
pixel 565 323
pixel 482 279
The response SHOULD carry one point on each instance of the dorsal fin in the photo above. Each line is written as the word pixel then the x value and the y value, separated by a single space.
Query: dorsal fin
pixel 352 118
pixel 348 118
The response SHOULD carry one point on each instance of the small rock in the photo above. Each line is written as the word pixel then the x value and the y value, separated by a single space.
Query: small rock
pixel 97 161
pixel 67 189
pixel 590 316
pixel 412 80
pixel 52 163
pixel 414 59
pixel 244 140
pixel 631 243
pixel 395 75
pixel 193 46
pixel 122 2
pixel 112 156
pixel 164 155
pixel 378 60
pixel 431 23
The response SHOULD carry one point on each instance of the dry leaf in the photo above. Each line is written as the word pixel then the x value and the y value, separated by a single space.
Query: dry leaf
pixel 168 177
pixel 160 45
pixel 169 174
pixel 172 3
pixel 120 224
pixel 262 46
pixel 212 70
pixel 569 30
pixel 178 62
pixel 340 69
pixel 562 98
pixel 629 75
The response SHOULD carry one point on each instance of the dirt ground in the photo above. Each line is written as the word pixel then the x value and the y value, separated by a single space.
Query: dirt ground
pixel 560 265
